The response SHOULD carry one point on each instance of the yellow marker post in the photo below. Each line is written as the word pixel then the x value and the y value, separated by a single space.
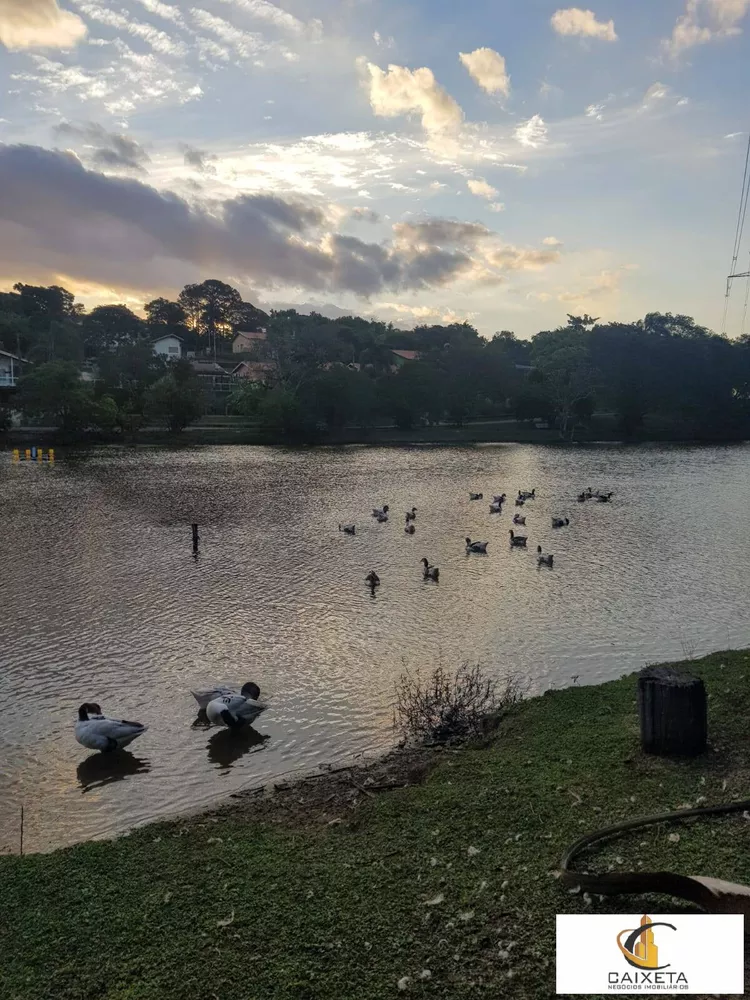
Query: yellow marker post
pixel 27 454
pixel 40 454
pixel 52 454
pixel 16 455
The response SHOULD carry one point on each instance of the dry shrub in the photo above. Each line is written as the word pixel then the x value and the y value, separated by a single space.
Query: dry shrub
pixel 447 707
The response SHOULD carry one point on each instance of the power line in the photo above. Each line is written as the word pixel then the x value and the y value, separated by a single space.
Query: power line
pixel 738 234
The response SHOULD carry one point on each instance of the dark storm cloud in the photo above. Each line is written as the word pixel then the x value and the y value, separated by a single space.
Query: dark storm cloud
pixel 56 213
pixel 111 149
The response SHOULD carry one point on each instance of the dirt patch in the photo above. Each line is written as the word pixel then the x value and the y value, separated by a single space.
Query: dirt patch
pixel 332 795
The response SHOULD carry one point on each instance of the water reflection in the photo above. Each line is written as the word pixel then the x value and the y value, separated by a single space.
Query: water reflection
pixel 107 591
pixel 102 769
pixel 227 746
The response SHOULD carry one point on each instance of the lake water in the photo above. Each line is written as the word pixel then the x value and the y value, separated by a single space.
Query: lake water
pixel 103 601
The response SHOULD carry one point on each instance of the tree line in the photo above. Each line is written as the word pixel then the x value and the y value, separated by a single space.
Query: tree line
pixel 663 376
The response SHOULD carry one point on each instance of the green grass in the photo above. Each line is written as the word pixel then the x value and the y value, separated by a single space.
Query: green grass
pixel 341 912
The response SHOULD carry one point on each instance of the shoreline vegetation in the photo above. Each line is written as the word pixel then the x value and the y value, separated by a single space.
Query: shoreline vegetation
pixel 209 367
pixel 229 431
pixel 430 872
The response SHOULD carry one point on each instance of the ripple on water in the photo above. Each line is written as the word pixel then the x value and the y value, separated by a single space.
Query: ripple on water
pixel 103 600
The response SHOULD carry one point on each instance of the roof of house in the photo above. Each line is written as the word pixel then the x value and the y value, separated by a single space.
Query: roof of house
pixel 255 366
pixel 207 368
pixel 15 357
pixel 407 355
pixel 167 336
pixel 251 334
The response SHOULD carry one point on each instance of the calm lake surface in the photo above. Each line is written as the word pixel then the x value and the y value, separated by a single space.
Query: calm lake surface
pixel 103 601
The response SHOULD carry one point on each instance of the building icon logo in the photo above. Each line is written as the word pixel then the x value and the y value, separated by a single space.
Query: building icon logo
pixel 639 948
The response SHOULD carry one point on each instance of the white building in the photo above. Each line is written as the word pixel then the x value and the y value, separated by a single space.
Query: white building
pixel 10 369
pixel 168 347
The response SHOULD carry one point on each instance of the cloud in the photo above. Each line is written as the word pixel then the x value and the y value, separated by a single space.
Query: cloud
pixel 164 10
pixel 603 286
pixel 262 10
pixel 487 69
pixel 398 91
pixel 198 159
pixel 111 149
pixel 361 214
pixel 574 21
pixel 551 241
pixel 655 93
pixel 159 40
pixel 481 188
pixel 38 24
pixel 245 43
pixel 705 21
pixel 532 133
pixel 57 216
pixel 441 232
pixel 130 80
pixel 497 206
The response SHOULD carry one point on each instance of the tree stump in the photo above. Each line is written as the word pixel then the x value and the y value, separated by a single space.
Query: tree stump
pixel 672 709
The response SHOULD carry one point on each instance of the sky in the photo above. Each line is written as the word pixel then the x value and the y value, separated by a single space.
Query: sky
pixel 503 162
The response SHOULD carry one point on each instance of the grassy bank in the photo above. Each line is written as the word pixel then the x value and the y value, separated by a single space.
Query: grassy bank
pixel 339 899
pixel 237 430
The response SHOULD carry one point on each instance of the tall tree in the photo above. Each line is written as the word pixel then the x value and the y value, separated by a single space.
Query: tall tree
pixel 106 328
pixel 212 308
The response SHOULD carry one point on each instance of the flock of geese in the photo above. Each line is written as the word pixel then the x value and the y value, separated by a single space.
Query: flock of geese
pixel 517 541
pixel 221 706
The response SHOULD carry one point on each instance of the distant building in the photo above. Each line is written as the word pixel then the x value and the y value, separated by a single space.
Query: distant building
pixel 169 346
pixel 401 357
pixel 10 369
pixel 254 371
pixel 212 377
pixel 248 340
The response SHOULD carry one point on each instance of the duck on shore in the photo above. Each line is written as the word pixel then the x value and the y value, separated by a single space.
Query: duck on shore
pixel 98 732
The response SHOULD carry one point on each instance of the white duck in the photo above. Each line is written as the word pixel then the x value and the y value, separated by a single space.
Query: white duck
pixel 97 732
pixel 478 547
pixel 211 694
pixel 236 710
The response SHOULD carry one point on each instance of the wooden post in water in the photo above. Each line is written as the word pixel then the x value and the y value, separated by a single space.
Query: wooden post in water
pixel 195 538
pixel 21 831
pixel 673 712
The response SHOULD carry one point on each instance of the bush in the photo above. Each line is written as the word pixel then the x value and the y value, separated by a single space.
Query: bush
pixel 448 707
